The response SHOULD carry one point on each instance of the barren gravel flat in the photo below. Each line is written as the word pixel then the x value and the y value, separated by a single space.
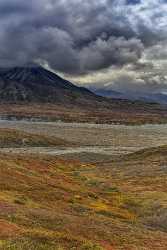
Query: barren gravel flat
pixel 94 142
pixel 102 150
pixel 84 134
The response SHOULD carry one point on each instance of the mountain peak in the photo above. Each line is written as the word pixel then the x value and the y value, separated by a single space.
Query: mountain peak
pixel 33 83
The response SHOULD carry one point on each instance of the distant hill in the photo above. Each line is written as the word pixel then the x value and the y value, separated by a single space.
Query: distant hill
pixel 160 98
pixel 108 93
pixel 36 84
pixel 37 93
pixel 33 83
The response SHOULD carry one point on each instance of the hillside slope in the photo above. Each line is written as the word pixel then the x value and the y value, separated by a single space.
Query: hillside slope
pixel 36 84
pixel 14 138
pixel 35 92
pixel 44 199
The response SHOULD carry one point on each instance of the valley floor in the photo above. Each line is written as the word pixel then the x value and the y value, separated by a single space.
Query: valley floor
pixel 113 111
pixel 112 199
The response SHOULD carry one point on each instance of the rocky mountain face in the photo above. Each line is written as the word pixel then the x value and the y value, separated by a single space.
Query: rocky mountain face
pixel 36 84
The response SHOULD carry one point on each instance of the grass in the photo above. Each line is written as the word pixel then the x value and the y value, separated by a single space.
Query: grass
pixel 51 203
pixel 115 111
pixel 16 138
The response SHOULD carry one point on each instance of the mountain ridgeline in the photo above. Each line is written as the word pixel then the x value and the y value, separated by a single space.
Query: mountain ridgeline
pixel 160 98
pixel 36 84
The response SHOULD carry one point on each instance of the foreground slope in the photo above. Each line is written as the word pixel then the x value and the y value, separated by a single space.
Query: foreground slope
pixel 44 199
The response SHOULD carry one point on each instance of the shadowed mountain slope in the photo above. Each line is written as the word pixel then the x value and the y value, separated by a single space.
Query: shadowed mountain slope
pixel 38 93
pixel 36 84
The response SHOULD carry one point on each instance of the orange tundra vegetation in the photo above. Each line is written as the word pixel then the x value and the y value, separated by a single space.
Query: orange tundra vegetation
pixel 50 203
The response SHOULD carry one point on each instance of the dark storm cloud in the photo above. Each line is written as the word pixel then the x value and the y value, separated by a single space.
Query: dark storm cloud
pixel 133 1
pixel 78 37
pixel 113 51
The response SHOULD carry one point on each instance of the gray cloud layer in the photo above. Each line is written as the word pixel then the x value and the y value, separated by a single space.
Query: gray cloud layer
pixel 79 38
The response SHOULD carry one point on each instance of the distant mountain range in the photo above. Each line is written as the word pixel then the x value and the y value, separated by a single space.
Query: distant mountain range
pixel 145 97
pixel 32 91
pixel 36 84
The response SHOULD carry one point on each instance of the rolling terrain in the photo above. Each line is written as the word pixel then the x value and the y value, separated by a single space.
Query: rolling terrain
pixel 44 199
pixel 69 178
pixel 83 125
pixel 117 112
pixel 119 200
pixel 16 138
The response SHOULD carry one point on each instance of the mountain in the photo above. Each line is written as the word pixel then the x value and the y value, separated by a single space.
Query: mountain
pixel 33 83
pixel 33 92
pixel 107 93
pixel 36 84
pixel 160 98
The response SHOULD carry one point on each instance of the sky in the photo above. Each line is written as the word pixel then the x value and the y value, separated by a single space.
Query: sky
pixel 111 44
